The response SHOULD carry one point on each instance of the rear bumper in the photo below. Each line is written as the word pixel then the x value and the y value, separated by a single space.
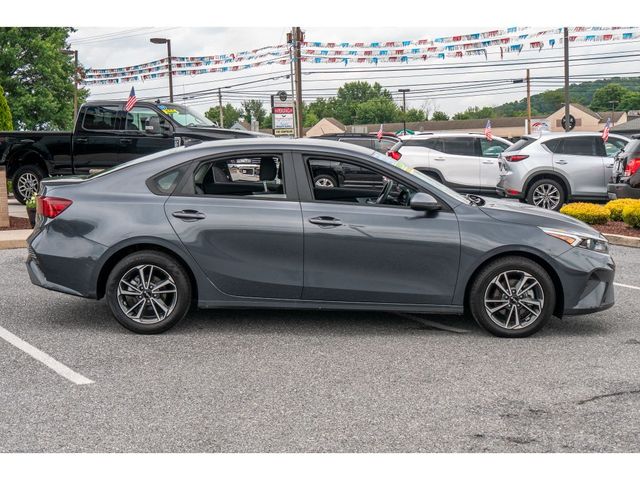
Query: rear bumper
pixel 622 190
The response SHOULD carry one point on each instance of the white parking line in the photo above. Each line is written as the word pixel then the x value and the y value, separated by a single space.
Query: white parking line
pixel 42 357
pixel 626 286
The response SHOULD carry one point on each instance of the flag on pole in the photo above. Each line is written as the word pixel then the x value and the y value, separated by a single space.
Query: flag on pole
pixel 379 134
pixel 131 101
pixel 605 132
pixel 487 131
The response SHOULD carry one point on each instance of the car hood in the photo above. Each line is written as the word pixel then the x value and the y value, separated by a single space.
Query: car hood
pixel 524 214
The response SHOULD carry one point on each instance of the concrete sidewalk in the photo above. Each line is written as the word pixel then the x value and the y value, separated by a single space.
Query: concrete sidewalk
pixel 13 239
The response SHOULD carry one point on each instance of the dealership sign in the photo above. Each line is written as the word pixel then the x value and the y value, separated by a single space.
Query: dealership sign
pixel 282 114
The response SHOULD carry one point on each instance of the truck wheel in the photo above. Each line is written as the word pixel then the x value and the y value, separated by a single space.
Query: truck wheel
pixel 26 182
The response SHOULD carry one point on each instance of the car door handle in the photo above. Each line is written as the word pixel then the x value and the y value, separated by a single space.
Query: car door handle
pixel 82 140
pixel 488 162
pixel 125 141
pixel 439 159
pixel 561 162
pixel 609 166
pixel 189 215
pixel 325 221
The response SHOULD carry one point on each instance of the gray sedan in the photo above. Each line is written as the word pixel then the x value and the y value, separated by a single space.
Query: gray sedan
pixel 241 223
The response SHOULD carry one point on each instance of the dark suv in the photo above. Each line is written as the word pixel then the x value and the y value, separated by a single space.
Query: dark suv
pixel 625 181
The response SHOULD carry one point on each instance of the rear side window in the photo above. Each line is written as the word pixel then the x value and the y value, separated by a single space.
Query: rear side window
pixel 100 118
pixel 520 144
pixel 613 145
pixel 553 145
pixel 460 146
pixel 384 145
pixel 579 146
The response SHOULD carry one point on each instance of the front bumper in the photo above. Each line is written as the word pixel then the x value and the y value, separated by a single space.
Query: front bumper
pixel 622 190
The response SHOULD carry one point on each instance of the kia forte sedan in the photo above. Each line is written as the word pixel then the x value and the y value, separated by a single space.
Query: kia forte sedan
pixel 241 223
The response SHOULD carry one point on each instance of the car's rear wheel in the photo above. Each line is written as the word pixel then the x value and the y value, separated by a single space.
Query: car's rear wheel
pixel 26 182
pixel 512 297
pixel 148 292
pixel 325 180
pixel 547 193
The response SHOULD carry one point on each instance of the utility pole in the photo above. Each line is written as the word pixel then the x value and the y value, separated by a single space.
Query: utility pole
pixel 528 102
pixel 298 38
pixel 404 91
pixel 613 104
pixel 76 80
pixel 220 106
pixel 567 106
pixel 168 42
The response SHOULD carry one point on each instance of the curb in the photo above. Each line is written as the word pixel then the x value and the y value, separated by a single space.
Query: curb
pixel 622 240
pixel 13 239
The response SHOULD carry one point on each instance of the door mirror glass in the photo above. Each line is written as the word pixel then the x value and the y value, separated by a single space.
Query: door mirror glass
pixel 423 202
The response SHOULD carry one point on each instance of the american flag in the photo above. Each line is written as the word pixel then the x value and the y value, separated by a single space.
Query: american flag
pixel 487 131
pixel 131 101
pixel 605 132
pixel 379 134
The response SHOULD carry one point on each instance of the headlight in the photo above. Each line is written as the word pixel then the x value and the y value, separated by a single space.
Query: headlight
pixel 597 244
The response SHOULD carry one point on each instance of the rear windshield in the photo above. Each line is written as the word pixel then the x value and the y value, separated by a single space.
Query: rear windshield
pixel 520 144
pixel 633 146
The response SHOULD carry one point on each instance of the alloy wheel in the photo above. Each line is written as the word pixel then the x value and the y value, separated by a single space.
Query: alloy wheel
pixel 514 299
pixel 147 294
pixel 324 182
pixel 27 185
pixel 546 196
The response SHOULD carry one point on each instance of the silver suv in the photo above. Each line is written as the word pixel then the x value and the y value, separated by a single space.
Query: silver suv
pixel 553 168
pixel 466 162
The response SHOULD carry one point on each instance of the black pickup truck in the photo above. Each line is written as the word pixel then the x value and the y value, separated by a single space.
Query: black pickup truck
pixel 104 135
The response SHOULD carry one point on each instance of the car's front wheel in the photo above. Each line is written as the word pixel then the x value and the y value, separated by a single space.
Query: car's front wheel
pixel 148 292
pixel 512 297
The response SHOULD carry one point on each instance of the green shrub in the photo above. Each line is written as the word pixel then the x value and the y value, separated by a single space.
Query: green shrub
pixel 6 121
pixel 631 215
pixel 616 207
pixel 31 203
pixel 587 212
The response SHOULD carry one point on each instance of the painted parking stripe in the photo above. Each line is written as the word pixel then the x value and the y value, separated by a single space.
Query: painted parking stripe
pixel 42 357
pixel 626 286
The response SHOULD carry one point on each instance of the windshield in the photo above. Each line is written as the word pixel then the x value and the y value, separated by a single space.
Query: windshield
pixel 185 116
pixel 430 181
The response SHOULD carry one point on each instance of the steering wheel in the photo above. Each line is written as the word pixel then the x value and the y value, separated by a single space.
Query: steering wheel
pixel 384 194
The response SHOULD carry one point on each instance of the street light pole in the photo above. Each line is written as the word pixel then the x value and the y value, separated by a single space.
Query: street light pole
pixel 75 79
pixel 404 109
pixel 161 41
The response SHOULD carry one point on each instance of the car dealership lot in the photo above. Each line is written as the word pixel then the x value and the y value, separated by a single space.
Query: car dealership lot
pixel 274 381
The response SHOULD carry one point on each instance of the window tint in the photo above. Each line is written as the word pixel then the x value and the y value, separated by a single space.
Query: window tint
pixel 579 146
pixel 143 119
pixel 460 145
pixel 553 145
pixel 520 144
pixel 259 175
pixel 613 145
pixel 432 143
pixel 492 149
pixel 165 183
pixel 363 142
pixel 100 118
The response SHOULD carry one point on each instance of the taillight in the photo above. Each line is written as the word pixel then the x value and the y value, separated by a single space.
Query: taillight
pixel 632 167
pixel 515 158
pixel 51 207
pixel 395 155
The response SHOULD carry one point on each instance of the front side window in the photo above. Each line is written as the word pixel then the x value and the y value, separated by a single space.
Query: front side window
pixel 613 145
pixel 242 176
pixel 579 146
pixel 492 149
pixel 460 146
pixel 100 118
pixel 143 119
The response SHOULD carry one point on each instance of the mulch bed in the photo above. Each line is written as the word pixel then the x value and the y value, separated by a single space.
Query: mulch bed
pixel 17 223
pixel 618 228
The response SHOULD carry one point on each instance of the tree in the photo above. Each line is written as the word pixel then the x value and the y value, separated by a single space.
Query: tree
pixel 230 115
pixel 322 108
pixel 613 92
pixel 629 101
pixel 475 113
pixel 439 116
pixel 255 109
pixel 416 115
pixel 37 77
pixel 6 122
pixel 310 119
pixel 352 95
pixel 376 110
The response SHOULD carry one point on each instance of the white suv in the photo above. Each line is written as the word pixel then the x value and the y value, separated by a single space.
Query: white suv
pixel 553 168
pixel 466 162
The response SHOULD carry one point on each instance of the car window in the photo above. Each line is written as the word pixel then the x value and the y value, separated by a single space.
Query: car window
pixel 432 143
pixel 143 119
pixel 492 148
pixel 254 176
pixel 460 146
pixel 613 145
pixel 553 145
pixel 579 146
pixel 383 145
pixel 100 118
pixel 520 144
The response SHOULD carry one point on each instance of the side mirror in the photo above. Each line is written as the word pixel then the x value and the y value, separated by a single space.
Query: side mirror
pixel 423 202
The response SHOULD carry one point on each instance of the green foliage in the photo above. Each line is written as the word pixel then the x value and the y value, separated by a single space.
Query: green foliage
pixel 361 102
pixel 310 119
pixel 439 116
pixel 416 115
pixel 609 93
pixel 631 215
pixel 616 207
pixel 475 113
pixel 376 110
pixel 255 109
pixel 629 101
pixel 6 122
pixel 31 203
pixel 37 77
pixel 590 213
pixel 230 114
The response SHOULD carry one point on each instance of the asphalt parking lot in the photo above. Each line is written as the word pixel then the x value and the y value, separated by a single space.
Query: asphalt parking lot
pixel 271 381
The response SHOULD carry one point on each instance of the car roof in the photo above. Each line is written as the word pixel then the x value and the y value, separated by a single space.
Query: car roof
pixel 550 135
pixel 285 143
pixel 429 136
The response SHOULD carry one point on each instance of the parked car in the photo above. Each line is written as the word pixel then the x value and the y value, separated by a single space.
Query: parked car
pixel 551 169
pixel 369 140
pixel 625 182
pixel 468 163
pixel 162 232
pixel 104 135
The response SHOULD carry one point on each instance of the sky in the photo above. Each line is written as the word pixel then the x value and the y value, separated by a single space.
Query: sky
pixel 104 47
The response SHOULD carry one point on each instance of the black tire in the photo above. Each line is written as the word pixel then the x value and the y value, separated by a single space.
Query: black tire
pixel 162 264
pixel 549 185
pixel 330 180
pixel 482 286
pixel 24 176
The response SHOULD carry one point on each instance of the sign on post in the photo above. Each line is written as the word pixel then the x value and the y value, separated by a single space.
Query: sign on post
pixel 282 115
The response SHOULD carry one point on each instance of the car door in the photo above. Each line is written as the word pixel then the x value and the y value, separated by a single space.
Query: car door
pixel 143 134
pixel 96 141
pixel 579 159
pixel 489 164
pixel 460 164
pixel 358 251
pixel 239 217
